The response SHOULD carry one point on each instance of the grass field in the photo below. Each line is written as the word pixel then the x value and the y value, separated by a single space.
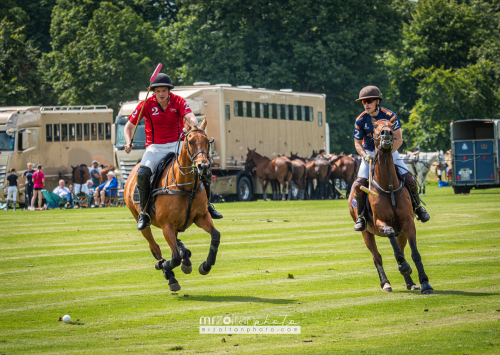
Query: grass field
pixel 95 266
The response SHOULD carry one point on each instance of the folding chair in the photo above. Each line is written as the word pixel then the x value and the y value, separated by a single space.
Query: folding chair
pixel 53 200
pixel 112 198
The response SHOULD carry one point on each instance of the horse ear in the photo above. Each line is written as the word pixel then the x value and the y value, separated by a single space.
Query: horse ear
pixel 203 124
pixel 393 119
pixel 187 126
pixel 374 122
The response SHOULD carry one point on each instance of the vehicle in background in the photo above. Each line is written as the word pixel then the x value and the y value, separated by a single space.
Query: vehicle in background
pixel 56 137
pixel 475 146
pixel 274 122
pixel 123 161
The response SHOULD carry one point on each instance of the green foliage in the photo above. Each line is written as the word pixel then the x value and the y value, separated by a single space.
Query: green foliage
pixel 37 28
pixel 444 68
pixel 448 95
pixel 313 46
pixel 106 62
pixel 20 81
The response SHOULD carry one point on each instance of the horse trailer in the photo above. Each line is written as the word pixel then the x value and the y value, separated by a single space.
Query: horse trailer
pixel 475 145
pixel 55 137
pixel 275 122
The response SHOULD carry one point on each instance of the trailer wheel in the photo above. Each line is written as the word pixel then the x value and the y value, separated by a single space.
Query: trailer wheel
pixel 244 189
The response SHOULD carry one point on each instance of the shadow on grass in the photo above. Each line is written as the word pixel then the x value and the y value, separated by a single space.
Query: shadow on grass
pixel 465 293
pixel 236 299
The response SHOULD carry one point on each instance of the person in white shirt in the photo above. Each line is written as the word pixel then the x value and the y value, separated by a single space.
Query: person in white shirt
pixel 64 193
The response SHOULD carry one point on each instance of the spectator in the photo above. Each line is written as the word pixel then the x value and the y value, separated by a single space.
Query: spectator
pixel 28 183
pixel 90 185
pixel 64 193
pixel 38 182
pixel 106 189
pixel 12 189
pixel 94 173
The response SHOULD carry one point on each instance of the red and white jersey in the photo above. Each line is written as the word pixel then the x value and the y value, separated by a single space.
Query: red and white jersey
pixel 162 126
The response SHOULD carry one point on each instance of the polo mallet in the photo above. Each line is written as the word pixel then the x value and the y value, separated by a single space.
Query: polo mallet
pixel 153 77
pixel 368 190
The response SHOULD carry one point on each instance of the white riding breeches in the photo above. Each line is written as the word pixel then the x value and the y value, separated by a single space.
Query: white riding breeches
pixel 156 152
pixel 363 169
pixel 12 193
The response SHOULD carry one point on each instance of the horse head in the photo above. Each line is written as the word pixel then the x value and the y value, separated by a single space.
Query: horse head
pixel 250 163
pixel 197 145
pixel 296 156
pixel 441 160
pixel 383 133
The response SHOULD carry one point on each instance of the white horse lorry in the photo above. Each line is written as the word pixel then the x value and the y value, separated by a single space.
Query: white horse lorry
pixel 56 137
pixel 275 122
pixel 475 148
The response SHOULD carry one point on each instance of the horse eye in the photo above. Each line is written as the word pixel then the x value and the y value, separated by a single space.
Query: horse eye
pixel 190 142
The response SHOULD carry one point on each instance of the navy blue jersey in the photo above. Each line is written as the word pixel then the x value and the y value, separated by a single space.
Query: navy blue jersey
pixel 363 127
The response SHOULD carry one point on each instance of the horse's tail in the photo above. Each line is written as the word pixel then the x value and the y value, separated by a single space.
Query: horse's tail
pixel 336 159
pixel 289 166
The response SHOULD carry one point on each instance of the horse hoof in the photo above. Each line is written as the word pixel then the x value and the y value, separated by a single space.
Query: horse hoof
pixel 426 288
pixel 186 269
pixel 387 288
pixel 174 287
pixel 202 270
pixel 412 287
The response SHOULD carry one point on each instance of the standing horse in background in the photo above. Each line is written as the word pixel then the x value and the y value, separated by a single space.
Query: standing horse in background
pixel 345 168
pixel 420 163
pixel 277 172
pixel 299 174
pixel 180 201
pixel 392 212
pixel 316 169
pixel 104 171
pixel 80 174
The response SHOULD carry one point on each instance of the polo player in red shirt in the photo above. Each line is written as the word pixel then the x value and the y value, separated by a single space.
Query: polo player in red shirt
pixel 164 113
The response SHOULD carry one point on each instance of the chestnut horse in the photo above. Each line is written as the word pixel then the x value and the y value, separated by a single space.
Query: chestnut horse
pixel 80 174
pixel 104 171
pixel 392 212
pixel 180 202
pixel 344 168
pixel 277 172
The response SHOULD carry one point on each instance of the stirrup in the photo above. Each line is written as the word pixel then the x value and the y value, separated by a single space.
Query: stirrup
pixel 360 219
pixel 144 221
pixel 213 212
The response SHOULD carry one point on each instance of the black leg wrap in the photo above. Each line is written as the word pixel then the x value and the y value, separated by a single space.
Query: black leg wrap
pixel 415 255
pixel 185 253
pixel 214 247
pixel 398 253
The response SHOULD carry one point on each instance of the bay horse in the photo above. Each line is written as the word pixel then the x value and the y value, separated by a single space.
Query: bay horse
pixel 80 174
pixel 316 169
pixel 180 202
pixel 392 212
pixel 277 172
pixel 299 174
pixel 344 168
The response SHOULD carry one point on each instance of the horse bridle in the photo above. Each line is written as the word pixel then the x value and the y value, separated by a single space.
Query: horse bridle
pixel 191 156
pixel 379 139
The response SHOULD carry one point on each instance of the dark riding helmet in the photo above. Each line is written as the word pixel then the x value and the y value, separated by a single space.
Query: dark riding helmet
pixel 416 149
pixel 162 80
pixel 370 92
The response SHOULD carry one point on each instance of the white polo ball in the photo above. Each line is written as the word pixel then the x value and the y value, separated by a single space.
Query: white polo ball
pixel 66 319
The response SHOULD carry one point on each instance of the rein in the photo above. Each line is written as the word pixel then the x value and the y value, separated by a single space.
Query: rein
pixel 391 193
pixel 193 171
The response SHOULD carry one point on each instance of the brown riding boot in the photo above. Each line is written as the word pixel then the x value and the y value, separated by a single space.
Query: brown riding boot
pixel 360 197
pixel 422 214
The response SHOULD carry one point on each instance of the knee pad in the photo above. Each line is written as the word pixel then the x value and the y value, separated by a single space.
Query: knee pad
pixel 144 175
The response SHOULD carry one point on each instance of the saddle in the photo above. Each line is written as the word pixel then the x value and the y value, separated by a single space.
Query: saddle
pixel 154 181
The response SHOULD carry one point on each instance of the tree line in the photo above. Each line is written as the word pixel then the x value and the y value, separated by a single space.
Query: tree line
pixel 434 60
